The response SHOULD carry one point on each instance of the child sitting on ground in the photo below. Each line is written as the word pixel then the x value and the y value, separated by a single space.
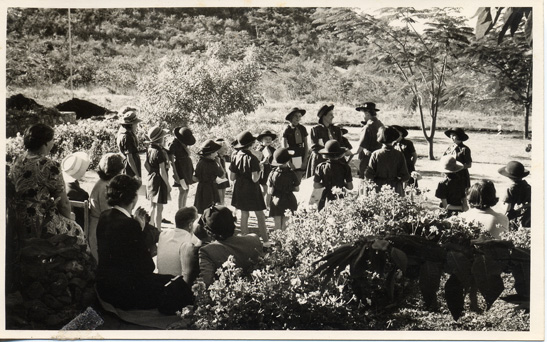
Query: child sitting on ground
pixel 451 190
pixel 518 196
pixel 281 184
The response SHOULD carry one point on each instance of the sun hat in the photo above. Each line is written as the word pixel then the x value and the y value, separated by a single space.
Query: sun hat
pixel 367 107
pixel 294 111
pixel 324 111
pixel 75 164
pixel 128 115
pixel 332 149
pixel 184 135
pixel 208 147
pixel 281 156
pixel 388 135
pixel 156 133
pixel 266 133
pixel 343 130
pixel 111 164
pixel 459 133
pixel 244 139
pixel 514 170
pixel 218 221
pixel 449 164
pixel 401 130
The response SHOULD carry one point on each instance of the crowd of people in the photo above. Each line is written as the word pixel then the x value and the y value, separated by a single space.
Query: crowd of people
pixel 124 239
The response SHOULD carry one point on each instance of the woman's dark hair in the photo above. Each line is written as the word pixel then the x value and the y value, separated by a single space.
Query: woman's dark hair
pixel 122 190
pixel 37 135
pixel 482 195
pixel 110 165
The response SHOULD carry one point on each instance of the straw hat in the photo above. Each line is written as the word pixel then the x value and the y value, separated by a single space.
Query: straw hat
pixel 449 164
pixel 75 165
pixel 514 170
pixel 156 133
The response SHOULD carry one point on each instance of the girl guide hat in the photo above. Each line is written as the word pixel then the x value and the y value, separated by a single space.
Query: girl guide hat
pixel 459 133
pixel 324 111
pixel 266 133
pixel 514 170
pixel 244 139
pixel 184 135
pixel 367 107
pixel 401 130
pixel 281 156
pixel 449 164
pixel 128 115
pixel 156 133
pixel 294 111
pixel 332 149
pixel 388 135
pixel 75 165
pixel 208 147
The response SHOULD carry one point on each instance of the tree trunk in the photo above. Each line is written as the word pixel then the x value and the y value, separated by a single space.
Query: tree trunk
pixel 430 150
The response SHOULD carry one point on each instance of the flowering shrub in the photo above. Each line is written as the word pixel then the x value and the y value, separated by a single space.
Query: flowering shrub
pixel 349 266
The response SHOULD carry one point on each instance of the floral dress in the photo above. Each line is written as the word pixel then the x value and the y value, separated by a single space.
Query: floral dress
pixel 39 184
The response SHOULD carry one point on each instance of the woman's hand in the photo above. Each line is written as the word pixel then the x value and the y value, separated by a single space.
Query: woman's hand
pixel 140 216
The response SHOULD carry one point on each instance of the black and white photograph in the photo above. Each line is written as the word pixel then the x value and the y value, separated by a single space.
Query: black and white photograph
pixel 278 170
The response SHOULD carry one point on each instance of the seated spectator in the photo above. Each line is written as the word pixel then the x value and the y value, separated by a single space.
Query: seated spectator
pixel 220 224
pixel 41 204
pixel 74 167
pixel 481 197
pixel 110 165
pixel 178 247
pixel 125 274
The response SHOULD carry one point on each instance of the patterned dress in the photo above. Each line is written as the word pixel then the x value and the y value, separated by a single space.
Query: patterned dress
pixel 283 181
pixel 247 195
pixel 39 184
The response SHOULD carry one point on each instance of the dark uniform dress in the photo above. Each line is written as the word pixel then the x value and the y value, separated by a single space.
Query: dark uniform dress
pixel 330 174
pixel 520 195
pixel 125 274
pixel 452 188
pixel 75 193
pixel 462 153
pixel 319 136
pixel 283 181
pixel 156 188
pixel 296 137
pixel 207 171
pixel 247 195
pixel 267 162
pixel 407 148
pixel 128 145
pixel 387 166
pixel 182 162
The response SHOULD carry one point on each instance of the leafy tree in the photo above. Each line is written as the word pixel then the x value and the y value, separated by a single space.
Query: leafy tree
pixel 512 19
pixel 422 59
pixel 187 89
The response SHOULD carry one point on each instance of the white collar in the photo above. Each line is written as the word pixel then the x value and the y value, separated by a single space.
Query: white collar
pixel 127 213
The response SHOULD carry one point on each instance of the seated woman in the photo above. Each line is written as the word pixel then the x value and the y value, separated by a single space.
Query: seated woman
pixel 481 197
pixel 219 222
pixel 125 274
pixel 41 203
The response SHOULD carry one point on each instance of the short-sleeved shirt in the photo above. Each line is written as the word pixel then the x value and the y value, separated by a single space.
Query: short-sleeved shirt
pixel 181 161
pixel 247 195
pixel 332 173
pixel 172 256
pixel 296 137
pixel 387 164
pixel 407 148
pixel 492 222
pixel 453 190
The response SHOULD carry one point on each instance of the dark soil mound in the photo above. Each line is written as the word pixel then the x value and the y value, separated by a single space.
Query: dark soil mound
pixel 84 109
pixel 21 102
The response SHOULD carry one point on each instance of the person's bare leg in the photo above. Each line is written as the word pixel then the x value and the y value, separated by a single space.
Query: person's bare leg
pixel 278 222
pixel 244 222
pixel 262 230
pixel 183 196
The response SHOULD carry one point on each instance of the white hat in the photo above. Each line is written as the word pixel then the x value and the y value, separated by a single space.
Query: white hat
pixel 75 165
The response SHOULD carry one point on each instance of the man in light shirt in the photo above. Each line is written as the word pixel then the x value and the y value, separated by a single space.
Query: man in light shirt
pixel 178 247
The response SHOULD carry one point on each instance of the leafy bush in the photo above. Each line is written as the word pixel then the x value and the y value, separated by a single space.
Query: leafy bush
pixel 374 247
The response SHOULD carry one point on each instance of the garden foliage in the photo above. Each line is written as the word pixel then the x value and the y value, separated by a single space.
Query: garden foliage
pixel 351 265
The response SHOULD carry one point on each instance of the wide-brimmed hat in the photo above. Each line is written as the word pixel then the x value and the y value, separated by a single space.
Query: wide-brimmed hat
pixel 219 221
pixel 156 133
pixel 208 147
pixel 281 156
pixel 387 135
pixel 111 164
pixel 367 107
pixel 128 115
pixel 184 135
pixel 244 139
pixel 332 149
pixel 75 165
pixel 266 133
pixel 459 133
pixel 324 111
pixel 449 164
pixel 401 130
pixel 293 111
pixel 514 170
pixel 343 130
